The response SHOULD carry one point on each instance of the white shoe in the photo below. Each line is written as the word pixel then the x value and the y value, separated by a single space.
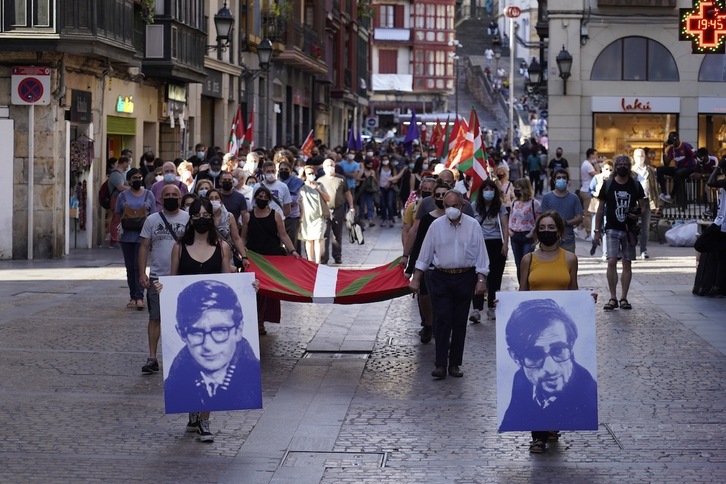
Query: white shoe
pixel 665 197
pixel 475 317
pixel 491 314
pixel 644 254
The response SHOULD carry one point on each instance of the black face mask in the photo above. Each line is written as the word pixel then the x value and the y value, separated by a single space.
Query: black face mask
pixel 622 170
pixel 227 186
pixel 261 203
pixel 171 204
pixel 517 193
pixel 203 225
pixel 284 175
pixel 547 237
pixel 136 184
pixel 426 194
pixel 439 203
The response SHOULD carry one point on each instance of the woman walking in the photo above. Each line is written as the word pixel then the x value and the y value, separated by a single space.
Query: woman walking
pixel 525 210
pixel 314 214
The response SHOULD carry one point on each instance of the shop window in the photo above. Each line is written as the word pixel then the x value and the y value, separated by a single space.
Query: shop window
pixel 713 68
pixel 616 133
pixel 635 59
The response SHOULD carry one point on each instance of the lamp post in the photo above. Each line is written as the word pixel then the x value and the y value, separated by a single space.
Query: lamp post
pixel 564 65
pixel 511 12
pixel 264 57
pixel 455 44
pixel 535 73
pixel 223 23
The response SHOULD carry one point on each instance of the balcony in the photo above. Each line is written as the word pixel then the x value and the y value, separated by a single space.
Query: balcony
pixel 392 35
pixel 174 51
pixel 637 3
pixel 392 82
pixel 433 84
pixel 102 29
pixel 303 48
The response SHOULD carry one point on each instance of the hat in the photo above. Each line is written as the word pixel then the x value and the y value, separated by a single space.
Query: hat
pixel 215 161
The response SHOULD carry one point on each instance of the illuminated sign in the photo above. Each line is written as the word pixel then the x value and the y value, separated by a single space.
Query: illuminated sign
pixel 704 26
pixel 636 105
pixel 125 104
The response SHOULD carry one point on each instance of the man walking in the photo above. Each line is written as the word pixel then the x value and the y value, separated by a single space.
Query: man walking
pixel 621 201
pixel 588 169
pixel 158 236
pixel 562 201
pixel 168 170
pixel 556 163
pixel 454 245
pixel 337 189
pixel 117 183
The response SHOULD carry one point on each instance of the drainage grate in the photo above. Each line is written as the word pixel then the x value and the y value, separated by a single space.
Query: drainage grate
pixel 338 355
pixel 299 458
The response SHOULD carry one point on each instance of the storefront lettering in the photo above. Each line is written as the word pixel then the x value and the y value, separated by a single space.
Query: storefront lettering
pixel 636 105
pixel 125 104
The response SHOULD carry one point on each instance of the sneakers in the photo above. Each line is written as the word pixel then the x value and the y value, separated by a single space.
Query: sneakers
pixel 644 254
pixel 475 317
pixel 204 434
pixel 491 314
pixel 151 367
pixel 193 423
pixel 665 197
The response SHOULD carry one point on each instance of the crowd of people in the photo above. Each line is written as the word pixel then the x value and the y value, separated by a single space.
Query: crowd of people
pixel 203 214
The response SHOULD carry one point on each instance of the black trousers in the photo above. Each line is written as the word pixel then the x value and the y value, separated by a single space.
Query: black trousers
pixel 450 299
pixel 496 270
pixel 334 225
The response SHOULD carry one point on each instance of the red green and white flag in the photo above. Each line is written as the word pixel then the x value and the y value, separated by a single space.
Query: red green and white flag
pixel 248 139
pixel 237 134
pixel 471 159
pixel 299 280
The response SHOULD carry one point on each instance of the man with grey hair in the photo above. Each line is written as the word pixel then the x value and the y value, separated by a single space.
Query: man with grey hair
pixel 168 171
pixel 337 188
pixel 621 202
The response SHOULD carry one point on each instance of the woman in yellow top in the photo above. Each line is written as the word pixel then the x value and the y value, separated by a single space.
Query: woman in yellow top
pixel 548 268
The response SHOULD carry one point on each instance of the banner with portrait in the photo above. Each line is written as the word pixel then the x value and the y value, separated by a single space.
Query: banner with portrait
pixel 210 343
pixel 546 362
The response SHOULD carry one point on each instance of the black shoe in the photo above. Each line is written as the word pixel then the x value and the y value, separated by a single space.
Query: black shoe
pixel 151 367
pixel 439 372
pixel 455 371
pixel 338 261
pixel 593 248
pixel 426 333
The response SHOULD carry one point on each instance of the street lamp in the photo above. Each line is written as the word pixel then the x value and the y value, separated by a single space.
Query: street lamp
pixel 264 58
pixel 564 65
pixel 223 22
pixel 455 44
pixel 535 72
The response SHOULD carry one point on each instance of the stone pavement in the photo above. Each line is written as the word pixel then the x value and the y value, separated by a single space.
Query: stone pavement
pixel 348 395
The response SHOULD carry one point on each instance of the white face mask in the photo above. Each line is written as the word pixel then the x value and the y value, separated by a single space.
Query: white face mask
pixel 310 177
pixel 369 154
pixel 453 213
pixel 385 162
pixel 351 156
pixel 329 170
pixel 216 205
pixel 269 177
pixel 159 177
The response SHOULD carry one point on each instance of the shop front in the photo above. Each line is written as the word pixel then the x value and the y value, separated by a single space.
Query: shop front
pixel 623 124
pixel 712 124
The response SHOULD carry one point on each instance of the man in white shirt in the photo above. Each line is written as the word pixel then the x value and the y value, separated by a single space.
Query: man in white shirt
pixel 454 245
pixel 281 199
pixel 588 169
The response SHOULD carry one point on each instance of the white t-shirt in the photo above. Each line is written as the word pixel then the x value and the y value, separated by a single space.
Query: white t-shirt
pixel 585 177
pixel 279 190
pixel 161 241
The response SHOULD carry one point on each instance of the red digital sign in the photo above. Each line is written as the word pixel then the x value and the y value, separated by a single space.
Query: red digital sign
pixel 704 25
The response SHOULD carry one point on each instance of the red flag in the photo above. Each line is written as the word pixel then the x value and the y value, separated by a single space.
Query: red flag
pixel 442 147
pixel 435 135
pixel 248 140
pixel 308 145
pixel 237 134
pixel 471 158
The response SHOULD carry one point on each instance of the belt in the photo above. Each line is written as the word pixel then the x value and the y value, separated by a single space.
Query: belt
pixel 459 270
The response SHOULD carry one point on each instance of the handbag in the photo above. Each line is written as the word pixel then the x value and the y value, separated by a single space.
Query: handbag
pixel 132 219
pixel 710 240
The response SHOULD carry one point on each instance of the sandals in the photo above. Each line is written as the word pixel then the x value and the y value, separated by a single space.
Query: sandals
pixel 612 304
pixel 537 447
pixel 131 304
pixel 140 304
pixel 624 304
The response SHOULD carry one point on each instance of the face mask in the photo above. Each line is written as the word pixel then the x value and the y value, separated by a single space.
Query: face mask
pixel 517 193
pixel 622 170
pixel 216 205
pixel 311 177
pixel 159 178
pixel 202 225
pixel 269 177
pixel 169 178
pixel 606 173
pixel 369 167
pixel 214 174
pixel 171 204
pixel 426 194
pixel 369 154
pixel 432 158
pixel 200 155
pixel 329 170
pixel 235 182
pixel 227 185
pixel 547 237
pixel 203 192
pixel 488 195
pixel 410 166
pixel 425 166
pixel 439 202
pixel 500 176
pixel 385 162
pixel 284 175
pixel 453 213
pixel 136 184
pixel 251 167
pixel 351 156
pixel 126 170
pixel 261 203
pixel 561 184
pixel 558 155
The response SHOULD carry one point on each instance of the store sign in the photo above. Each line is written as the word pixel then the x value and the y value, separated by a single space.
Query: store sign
pixel 704 25
pixel 125 105
pixel 714 105
pixel 81 106
pixel 624 104
pixel 212 86
pixel 176 93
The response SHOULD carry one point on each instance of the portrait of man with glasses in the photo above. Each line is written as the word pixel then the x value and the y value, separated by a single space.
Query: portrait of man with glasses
pixel 550 389
pixel 216 367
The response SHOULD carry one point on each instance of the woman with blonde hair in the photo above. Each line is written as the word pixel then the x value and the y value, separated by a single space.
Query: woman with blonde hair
pixel 506 187
pixel 524 213
pixel 314 214
pixel 185 170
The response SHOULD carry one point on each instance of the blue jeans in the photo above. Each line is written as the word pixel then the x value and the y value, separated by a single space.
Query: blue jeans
pixel 131 261
pixel 521 246
pixel 365 206
pixel 387 197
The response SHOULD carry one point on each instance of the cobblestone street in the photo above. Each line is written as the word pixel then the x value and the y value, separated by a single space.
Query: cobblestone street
pixel 348 395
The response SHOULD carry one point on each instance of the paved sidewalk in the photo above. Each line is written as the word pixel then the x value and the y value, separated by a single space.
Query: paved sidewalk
pixel 348 395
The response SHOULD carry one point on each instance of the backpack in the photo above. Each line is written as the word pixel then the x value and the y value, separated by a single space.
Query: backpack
pixel 104 196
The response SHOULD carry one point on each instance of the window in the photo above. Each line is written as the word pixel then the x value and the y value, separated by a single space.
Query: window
pixel 431 63
pixel 431 16
pixel 713 68
pixel 27 14
pixel 635 59
pixel 387 16
pixel 388 61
